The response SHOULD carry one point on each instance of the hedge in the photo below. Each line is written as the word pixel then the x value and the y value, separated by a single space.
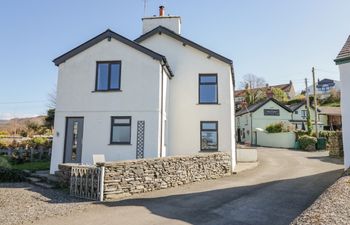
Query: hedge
pixel 307 143
pixel 11 175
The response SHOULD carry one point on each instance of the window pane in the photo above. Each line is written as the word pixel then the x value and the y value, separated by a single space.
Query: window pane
pixel 127 121
pixel 210 126
pixel 209 140
pixel 208 94
pixel 115 75
pixel 121 134
pixel 102 77
pixel 207 79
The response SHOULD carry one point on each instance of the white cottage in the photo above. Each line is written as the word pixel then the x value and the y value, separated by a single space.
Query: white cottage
pixel 160 95
pixel 343 61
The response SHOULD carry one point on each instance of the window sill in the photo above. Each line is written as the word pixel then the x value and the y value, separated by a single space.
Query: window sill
pixel 106 91
pixel 208 151
pixel 208 104
pixel 119 144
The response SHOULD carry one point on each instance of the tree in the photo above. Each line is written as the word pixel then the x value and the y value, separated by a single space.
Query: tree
pixel 32 128
pixel 253 88
pixel 279 94
pixel 49 119
pixel 52 99
pixel 252 81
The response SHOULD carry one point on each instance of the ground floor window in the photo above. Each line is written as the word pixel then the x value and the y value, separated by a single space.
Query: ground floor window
pixel 209 135
pixel 121 130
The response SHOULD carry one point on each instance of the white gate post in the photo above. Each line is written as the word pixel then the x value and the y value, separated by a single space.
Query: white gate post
pixel 102 180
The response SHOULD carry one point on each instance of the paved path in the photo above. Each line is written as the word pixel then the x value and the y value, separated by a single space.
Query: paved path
pixel 278 190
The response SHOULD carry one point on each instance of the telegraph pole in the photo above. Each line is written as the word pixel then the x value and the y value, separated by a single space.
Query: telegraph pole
pixel 307 95
pixel 315 101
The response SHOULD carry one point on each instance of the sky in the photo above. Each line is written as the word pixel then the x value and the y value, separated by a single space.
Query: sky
pixel 277 40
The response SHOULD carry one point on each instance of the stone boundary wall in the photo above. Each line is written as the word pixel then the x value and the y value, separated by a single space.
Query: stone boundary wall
pixel 124 178
pixel 334 143
pixel 63 174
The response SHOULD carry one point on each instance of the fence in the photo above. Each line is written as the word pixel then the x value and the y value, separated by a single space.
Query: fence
pixel 31 154
pixel 87 182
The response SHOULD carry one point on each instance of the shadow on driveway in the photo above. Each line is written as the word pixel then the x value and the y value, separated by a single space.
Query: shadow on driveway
pixel 277 202
pixel 338 161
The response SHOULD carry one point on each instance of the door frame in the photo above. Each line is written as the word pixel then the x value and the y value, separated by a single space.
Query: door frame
pixel 65 135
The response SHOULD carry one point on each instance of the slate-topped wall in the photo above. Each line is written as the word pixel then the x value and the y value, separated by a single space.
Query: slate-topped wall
pixel 138 176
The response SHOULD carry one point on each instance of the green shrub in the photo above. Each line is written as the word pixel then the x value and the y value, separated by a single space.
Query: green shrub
pixel 279 127
pixel 11 175
pixel 4 162
pixel 307 143
pixel 274 128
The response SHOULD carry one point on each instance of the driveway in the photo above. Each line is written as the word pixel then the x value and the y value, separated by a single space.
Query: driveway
pixel 283 185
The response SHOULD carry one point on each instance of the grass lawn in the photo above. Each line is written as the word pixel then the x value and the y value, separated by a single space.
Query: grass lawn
pixel 32 166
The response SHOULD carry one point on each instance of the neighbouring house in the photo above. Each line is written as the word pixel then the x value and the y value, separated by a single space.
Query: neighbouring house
pixel 159 95
pixel 332 117
pixel 324 88
pixel 343 61
pixel 258 116
pixel 241 94
pixel 299 116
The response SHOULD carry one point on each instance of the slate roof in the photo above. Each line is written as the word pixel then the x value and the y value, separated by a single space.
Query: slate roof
pixel 258 105
pixel 296 106
pixel 283 87
pixel 344 54
pixel 108 34
pixel 185 41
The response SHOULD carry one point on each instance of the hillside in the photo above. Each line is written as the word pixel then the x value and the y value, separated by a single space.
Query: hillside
pixel 19 123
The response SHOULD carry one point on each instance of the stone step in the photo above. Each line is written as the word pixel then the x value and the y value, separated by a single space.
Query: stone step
pixel 33 179
pixel 44 185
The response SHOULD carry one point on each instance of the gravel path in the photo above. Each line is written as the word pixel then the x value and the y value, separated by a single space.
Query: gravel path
pixel 23 202
pixel 332 207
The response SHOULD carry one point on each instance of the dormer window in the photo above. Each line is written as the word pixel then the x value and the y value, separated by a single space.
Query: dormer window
pixel 108 76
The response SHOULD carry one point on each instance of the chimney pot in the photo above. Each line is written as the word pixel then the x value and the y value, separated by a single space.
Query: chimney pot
pixel 161 10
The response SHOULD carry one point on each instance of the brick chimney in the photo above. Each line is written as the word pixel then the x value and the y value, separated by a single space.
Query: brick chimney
pixel 171 22
pixel 161 10
pixel 269 93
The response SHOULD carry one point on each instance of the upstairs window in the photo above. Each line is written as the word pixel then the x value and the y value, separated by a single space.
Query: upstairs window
pixel 108 76
pixel 208 89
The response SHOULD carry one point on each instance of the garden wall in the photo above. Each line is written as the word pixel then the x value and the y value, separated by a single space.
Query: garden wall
pixel 276 140
pixel 334 143
pixel 130 177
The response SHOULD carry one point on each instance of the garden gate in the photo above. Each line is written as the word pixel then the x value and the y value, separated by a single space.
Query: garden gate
pixel 87 182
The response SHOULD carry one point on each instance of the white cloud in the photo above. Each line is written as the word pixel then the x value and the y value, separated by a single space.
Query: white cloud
pixel 8 116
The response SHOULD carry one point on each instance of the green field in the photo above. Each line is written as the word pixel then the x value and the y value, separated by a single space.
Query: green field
pixel 32 166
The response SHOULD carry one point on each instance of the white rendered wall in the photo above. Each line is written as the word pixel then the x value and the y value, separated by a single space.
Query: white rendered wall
pixel 185 113
pixel 139 98
pixel 344 70
pixel 171 22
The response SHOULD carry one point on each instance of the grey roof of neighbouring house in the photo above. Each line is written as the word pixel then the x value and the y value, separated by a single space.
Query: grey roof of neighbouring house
pixel 344 54
pixel 185 41
pixel 296 106
pixel 331 111
pixel 258 105
pixel 108 34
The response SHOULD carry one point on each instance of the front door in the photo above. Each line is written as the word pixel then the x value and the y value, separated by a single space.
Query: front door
pixel 74 138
